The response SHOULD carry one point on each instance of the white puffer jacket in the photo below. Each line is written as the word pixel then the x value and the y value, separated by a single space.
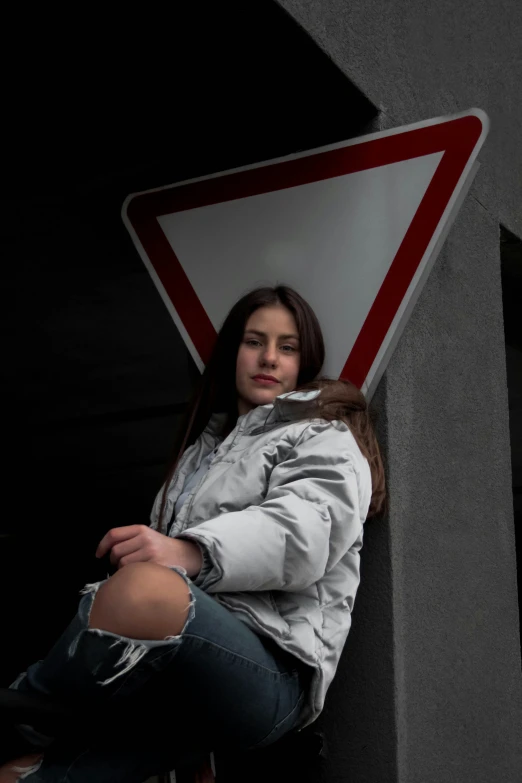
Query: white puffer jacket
pixel 280 515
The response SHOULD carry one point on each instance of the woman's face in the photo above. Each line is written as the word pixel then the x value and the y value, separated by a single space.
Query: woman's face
pixel 270 346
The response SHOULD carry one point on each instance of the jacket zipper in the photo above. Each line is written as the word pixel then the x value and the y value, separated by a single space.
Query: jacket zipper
pixel 172 484
pixel 202 481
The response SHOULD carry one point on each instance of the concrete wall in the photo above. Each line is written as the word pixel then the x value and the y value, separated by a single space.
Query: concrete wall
pixel 448 544
pixel 424 59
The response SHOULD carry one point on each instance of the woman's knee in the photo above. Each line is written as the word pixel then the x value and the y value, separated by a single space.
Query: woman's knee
pixel 142 601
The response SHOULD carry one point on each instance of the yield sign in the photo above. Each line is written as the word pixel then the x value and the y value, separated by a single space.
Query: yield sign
pixel 355 227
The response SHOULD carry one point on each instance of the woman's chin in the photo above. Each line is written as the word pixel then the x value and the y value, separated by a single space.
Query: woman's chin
pixel 264 396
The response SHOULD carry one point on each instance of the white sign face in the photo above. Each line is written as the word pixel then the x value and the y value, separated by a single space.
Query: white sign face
pixel 306 236
pixel 354 227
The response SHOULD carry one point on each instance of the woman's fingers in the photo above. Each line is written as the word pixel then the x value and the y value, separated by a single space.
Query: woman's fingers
pixel 125 548
pixel 139 556
pixel 116 536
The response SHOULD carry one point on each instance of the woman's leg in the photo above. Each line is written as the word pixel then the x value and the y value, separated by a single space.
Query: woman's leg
pixel 136 614
pixel 211 684
pixel 134 617
pixel 142 601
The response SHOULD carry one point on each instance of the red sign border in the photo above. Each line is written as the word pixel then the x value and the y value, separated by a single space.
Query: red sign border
pixel 455 138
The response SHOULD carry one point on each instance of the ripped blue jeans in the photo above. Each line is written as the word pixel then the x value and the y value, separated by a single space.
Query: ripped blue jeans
pixel 156 705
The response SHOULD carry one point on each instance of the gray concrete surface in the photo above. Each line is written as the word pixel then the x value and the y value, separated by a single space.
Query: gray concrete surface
pixel 457 656
pixel 430 688
pixel 420 60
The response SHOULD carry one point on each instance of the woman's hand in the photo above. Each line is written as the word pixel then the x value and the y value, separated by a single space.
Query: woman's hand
pixel 139 543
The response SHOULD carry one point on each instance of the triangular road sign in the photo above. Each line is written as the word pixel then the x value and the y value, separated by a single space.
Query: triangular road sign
pixel 355 227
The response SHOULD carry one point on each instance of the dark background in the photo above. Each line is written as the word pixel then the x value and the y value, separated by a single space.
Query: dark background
pixel 511 270
pixel 94 372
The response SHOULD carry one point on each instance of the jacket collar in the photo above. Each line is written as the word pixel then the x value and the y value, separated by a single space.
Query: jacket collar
pixel 286 407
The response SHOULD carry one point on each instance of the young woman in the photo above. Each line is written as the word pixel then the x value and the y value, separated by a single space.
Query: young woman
pixel 226 617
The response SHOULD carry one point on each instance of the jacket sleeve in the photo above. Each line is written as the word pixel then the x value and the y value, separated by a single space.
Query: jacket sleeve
pixel 285 542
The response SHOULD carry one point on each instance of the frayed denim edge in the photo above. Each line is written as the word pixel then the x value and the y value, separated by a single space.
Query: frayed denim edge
pixel 135 649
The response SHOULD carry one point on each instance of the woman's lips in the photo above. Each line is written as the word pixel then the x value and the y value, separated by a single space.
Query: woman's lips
pixel 265 381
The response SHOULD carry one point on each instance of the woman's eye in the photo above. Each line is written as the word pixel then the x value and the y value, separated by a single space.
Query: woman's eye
pixel 286 348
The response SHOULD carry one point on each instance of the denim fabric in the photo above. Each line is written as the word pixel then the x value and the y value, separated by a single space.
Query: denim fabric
pixel 159 704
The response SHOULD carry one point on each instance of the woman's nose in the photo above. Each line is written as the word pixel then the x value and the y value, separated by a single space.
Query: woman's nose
pixel 270 356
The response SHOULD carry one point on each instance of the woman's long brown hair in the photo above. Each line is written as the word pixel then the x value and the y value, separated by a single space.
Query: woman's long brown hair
pixel 216 390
